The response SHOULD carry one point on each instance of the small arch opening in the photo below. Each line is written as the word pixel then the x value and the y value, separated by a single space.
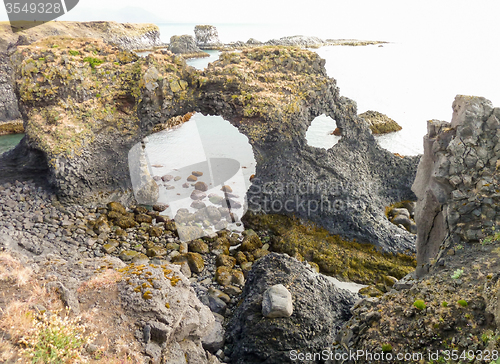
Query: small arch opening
pixel 323 132
pixel 202 168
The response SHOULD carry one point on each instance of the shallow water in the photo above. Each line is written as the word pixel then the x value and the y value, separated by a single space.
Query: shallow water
pixel 201 63
pixel 206 144
pixel 8 142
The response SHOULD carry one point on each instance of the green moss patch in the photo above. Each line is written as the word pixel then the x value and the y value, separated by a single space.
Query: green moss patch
pixel 348 260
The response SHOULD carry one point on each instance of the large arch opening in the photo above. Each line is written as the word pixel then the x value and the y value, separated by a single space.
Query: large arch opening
pixel 321 133
pixel 202 168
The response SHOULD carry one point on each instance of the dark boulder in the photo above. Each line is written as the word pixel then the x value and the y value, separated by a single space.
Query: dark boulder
pixel 319 310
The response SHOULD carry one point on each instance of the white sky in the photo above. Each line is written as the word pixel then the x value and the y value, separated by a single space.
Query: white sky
pixel 381 19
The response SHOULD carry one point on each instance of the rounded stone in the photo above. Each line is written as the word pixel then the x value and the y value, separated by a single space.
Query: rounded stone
pixel 198 204
pixel 225 260
pixel 198 195
pixel 200 186
pixel 199 246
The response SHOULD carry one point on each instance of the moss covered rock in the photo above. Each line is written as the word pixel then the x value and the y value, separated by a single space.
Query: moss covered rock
pixel 251 242
pixel 225 260
pixel 380 123
pixel 348 260
pixel 199 246
pixel 156 251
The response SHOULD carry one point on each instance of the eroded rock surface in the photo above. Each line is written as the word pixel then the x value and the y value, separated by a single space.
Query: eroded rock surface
pixel 126 36
pixel 320 308
pixel 186 45
pixel 85 111
pixel 457 182
pixel 174 320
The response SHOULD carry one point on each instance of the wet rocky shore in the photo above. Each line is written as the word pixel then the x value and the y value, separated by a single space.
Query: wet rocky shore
pixel 34 225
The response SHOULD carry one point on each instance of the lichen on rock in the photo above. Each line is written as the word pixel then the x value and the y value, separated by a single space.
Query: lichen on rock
pixel 207 37
pixel 185 45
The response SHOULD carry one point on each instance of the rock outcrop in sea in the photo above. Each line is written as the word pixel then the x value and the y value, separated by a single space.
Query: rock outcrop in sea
pixel 207 37
pixel 458 183
pixel 301 41
pixel 380 123
pixel 113 98
pixel 185 45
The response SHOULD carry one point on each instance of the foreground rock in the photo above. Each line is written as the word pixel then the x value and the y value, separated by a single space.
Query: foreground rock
pixel 457 182
pixel 357 177
pixel 174 320
pixel 444 310
pixel 320 309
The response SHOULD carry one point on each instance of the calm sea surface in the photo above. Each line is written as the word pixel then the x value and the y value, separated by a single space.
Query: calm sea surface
pixel 413 79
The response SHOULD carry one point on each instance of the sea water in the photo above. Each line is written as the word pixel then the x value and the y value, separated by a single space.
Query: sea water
pixel 413 78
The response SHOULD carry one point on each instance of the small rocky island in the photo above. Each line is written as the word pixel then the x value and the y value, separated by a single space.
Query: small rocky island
pixel 74 235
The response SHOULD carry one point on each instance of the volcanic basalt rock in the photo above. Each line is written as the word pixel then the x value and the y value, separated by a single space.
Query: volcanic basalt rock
pixel 185 45
pixel 380 123
pixel 125 36
pixel 457 183
pixel 84 112
pixel 319 310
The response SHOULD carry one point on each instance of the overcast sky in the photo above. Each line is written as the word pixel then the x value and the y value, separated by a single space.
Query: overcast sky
pixel 378 18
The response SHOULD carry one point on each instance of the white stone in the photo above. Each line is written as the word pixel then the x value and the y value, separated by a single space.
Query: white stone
pixel 277 302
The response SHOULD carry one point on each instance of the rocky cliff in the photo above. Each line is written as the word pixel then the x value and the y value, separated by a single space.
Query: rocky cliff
pixel 126 36
pixel 86 103
pixel 457 183
pixel 452 300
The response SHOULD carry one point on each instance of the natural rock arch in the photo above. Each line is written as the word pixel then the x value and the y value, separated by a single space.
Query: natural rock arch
pixel 84 117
